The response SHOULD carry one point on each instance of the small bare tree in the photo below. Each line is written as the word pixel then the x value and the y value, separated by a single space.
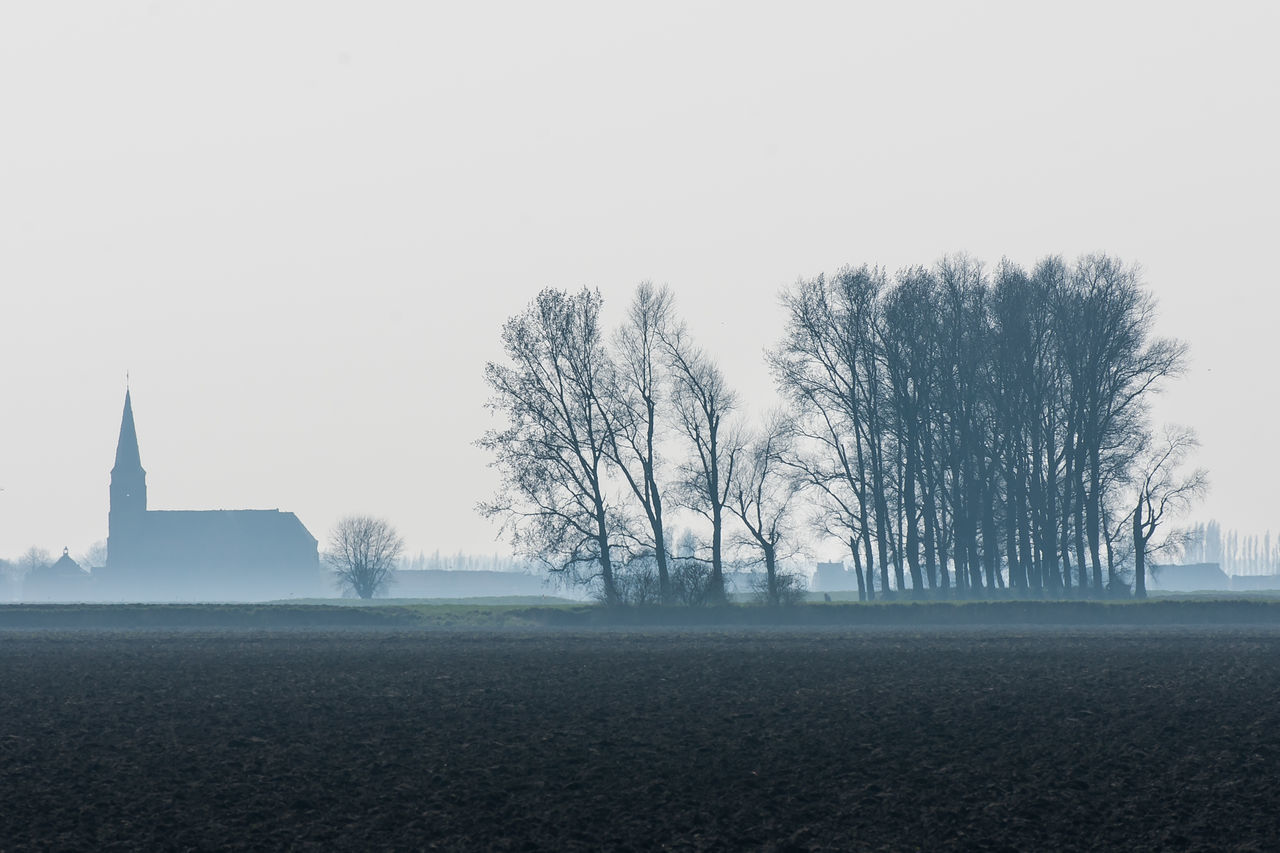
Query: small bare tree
pixel 1163 492
pixel 635 401
pixel 34 558
pixel 703 400
pixel 761 496
pixel 363 552
pixel 93 557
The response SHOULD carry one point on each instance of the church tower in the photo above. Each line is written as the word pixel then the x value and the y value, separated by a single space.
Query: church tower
pixel 128 493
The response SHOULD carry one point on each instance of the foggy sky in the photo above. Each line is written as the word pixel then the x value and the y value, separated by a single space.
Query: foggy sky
pixel 299 226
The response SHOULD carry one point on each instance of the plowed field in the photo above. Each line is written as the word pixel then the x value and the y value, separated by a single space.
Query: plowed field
pixel 1009 739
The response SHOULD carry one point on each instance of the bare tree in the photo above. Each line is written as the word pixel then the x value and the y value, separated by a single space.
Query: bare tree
pixel 762 496
pixel 635 416
pixel 1105 320
pixel 703 400
pixel 363 552
pixel 95 556
pixel 1163 492
pixel 830 365
pixel 16 571
pixel 554 452
pixel 32 559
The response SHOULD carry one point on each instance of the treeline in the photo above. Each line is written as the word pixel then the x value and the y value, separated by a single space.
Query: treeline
pixel 1236 554
pixel 462 561
pixel 961 430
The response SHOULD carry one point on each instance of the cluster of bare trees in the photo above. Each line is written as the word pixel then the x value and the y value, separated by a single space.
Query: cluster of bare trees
pixel 960 429
pixel 977 429
pixel 591 419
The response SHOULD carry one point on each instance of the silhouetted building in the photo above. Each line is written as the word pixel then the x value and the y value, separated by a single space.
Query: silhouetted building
pixel 62 580
pixel 216 555
pixel 833 577
pixel 1253 583
pixel 1189 578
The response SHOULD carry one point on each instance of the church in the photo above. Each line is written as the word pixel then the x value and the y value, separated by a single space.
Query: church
pixel 208 555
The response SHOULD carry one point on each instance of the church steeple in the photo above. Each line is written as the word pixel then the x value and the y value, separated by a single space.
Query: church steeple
pixel 127 457
pixel 128 493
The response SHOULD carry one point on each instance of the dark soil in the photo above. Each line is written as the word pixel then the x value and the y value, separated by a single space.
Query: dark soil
pixel 1257 611
pixel 995 740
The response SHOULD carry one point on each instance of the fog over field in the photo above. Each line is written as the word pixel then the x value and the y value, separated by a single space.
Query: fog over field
pixel 299 227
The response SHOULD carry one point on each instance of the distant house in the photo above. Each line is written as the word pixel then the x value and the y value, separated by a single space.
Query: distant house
pixel 62 580
pixel 1254 583
pixel 833 577
pixel 214 555
pixel 1195 577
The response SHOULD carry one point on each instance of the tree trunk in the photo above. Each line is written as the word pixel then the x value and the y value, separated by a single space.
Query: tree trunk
pixel 717 544
pixel 1079 543
pixel 1053 579
pixel 973 497
pixel 882 543
pixel 930 552
pixel 944 548
pixel 959 557
pixel 611 597
pixel 990 554
pixel 1017 574
pixel 897 546
pixel 857 569
pixel 1112 580
pixel 913 535
pixel 665 592
pixel 1064 536
pixel 771 575
pixel 870 560
pixel 1139 555
pixel 1093 521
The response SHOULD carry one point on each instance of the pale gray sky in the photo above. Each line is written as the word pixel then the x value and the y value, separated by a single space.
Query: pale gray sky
pixel 300 225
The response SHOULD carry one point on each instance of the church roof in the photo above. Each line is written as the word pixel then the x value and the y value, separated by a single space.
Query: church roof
pixel 127 455
pixel 242 524
pixel 63 567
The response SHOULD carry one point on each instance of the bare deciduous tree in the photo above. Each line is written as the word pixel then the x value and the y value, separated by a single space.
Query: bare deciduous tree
pixel 702 401
pixel 14 572
pixel 829 364
pixel 93 557
pixel 1163 492
pixel 554 452
pixel 363 552
pixel 34 558
pixel 762 496
pixel 635 414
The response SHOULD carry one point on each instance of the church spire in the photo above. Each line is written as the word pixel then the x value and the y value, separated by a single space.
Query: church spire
pixel 127 457
pixel 128 494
